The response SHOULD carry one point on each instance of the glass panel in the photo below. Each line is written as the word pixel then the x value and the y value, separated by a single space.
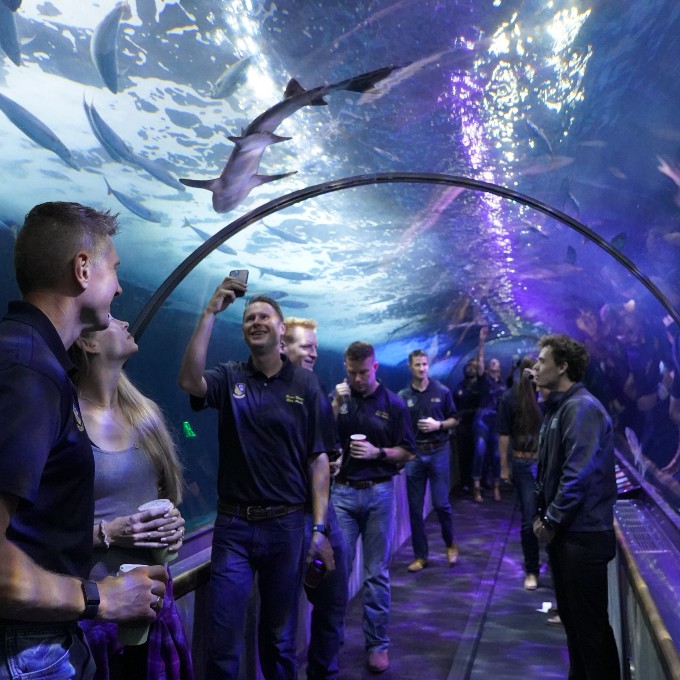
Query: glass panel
pixel 571 103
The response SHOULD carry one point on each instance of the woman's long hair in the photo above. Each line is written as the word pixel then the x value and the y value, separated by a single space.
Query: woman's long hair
pixel 529 417
pixel 148 422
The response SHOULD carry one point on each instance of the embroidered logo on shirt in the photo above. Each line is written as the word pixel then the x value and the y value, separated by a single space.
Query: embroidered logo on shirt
pixel 79 420
pixel 435 400
pixel 383 414
pixel 294 399
pixel 239 391
pixel 410 403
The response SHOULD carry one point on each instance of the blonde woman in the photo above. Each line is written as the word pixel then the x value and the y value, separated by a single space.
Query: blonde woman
pixel 135 462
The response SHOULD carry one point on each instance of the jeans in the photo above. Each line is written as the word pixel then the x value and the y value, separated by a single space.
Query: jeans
pixel 486 445
pixel 579 565
pixel 435 467
pixel 272 549
pixel 44 651
pixel 369 514
pixel 329 600
pixel 524 479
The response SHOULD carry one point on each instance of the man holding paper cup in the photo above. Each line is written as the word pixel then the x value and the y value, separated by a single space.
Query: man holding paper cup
pixel 374 428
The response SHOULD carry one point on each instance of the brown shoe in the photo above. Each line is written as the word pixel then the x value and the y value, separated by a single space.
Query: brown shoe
pixel 378 661
pixel 417 565
pixel 452 554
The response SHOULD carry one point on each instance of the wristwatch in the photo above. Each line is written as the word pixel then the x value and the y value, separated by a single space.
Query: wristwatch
pixel 321 528
pixel 91 595
pixel 382 454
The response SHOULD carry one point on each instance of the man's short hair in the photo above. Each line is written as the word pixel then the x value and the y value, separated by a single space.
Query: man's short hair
pixel 266 300
pixel 296 322
pixel 51 236
pixel 359 351
pixel 569 351
pixel 417 353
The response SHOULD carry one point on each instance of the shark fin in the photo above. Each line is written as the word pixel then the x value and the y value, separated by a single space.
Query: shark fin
pixel 263 179
pixel 199 183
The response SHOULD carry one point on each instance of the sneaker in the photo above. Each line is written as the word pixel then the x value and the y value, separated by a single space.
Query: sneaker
pixel 530 582
pixel 378 661
pixel 417 565
pixel 452 554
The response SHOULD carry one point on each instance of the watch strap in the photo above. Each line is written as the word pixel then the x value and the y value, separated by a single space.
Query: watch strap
pixel 91 597
pixel 321 528
pixel 382 454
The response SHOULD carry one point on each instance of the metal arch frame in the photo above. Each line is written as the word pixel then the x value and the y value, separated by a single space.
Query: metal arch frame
pixel 175 278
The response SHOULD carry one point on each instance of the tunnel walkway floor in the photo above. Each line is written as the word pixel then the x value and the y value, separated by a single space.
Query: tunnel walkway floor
pixel 470 621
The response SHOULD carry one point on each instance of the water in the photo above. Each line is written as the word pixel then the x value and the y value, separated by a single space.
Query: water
pixel 571 103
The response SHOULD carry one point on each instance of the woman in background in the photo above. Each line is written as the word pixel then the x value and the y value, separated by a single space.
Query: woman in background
pixel 518 424
pixel 135 462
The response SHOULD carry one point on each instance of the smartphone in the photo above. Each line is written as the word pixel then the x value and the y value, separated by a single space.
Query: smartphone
pixel 242 276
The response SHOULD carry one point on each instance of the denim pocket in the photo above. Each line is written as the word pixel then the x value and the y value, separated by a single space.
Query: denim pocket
pixel 39 652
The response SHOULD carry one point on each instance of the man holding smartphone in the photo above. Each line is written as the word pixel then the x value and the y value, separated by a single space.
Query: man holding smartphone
pixel 272 459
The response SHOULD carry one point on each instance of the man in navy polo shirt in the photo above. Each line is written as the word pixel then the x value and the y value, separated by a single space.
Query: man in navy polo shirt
pixel 66 268
pixel 272 460
pixel 329 597
pixel 432 415
pixel 363 491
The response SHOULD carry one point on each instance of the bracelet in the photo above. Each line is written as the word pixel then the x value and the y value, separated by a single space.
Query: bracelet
pixel 103 536
pixel 441 424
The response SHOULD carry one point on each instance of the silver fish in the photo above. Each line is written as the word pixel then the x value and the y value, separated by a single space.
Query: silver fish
pixel 233 77
pixel 9 37
pixel 104 47
pixel 36 130
pixel 223 247
pixel 291 276
pixel 133 206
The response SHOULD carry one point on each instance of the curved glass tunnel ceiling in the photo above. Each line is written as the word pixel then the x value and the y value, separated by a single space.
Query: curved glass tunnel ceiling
pixel 572 103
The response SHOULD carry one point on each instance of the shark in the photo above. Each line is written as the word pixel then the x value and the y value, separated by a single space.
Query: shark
pixel 239 176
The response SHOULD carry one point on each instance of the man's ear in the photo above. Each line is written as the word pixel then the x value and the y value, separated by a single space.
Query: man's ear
pixel 562 368
pixel 82 266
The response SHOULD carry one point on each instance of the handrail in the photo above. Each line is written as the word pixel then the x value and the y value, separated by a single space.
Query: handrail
pixel 668 654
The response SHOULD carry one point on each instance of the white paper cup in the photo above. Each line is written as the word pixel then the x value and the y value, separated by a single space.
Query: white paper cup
pixel 358 437
pixel 159 504
pixel 131 634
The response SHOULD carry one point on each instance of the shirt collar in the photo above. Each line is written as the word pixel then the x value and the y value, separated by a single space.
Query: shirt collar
pixel 24 312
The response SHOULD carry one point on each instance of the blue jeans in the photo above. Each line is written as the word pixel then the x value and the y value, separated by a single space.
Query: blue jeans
pixel 329 600
pixel 434 466
pixel 44 651
pixel 369 513
pixel 272 549
pixel 524 479
pixel 486 445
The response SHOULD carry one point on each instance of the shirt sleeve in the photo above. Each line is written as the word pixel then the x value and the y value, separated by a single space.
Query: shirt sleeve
pixel 31 408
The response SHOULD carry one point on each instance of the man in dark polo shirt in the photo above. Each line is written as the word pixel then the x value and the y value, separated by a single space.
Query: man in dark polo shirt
pixel 65 264
pixel 329 597
pixel 272 460
pixel 363 492
pixel 432 415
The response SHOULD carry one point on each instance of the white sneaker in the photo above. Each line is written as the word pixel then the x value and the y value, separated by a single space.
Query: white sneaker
pixel 530 582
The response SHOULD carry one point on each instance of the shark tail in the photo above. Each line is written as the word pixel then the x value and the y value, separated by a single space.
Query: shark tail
pixel 198 183
pixel 367 81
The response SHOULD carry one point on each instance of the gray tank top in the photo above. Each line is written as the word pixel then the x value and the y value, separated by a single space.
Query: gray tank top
pixel 123 480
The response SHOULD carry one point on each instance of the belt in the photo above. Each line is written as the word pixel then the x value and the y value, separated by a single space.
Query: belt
pixel 257 513
pixel 364 483
pixel 525 455
pixel 430 446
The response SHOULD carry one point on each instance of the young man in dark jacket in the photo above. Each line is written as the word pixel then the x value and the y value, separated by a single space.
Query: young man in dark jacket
pixel 576 496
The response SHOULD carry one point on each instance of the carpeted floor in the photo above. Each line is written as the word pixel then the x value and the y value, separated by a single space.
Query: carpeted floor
pixel 474 620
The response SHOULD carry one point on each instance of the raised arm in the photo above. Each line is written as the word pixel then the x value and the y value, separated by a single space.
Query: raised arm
pixel 483 335
pixel 193 365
